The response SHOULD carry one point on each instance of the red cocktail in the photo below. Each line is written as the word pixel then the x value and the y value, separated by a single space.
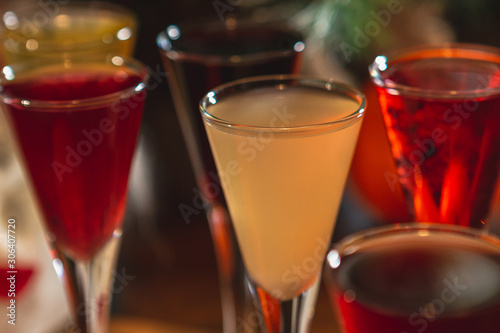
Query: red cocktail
pixel 441 109
pixel 76 123
pixel 416 278
pixel 78 157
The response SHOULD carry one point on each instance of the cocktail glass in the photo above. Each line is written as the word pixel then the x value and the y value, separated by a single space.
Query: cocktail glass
pixel 54 30
pixel 76 123
pixel 282 147
pixel 197 58
pixel 440 106
pixel 416 277
pixel 51 29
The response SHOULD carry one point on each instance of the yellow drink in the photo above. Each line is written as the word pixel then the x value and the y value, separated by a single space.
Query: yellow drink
pixel 56 30
pixel 283 186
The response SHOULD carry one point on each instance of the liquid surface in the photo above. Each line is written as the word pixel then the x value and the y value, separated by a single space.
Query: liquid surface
pixel 267 105
pixel 444 74
pixel 447 149
pixel 243 40
pixel 75 28
pixel 283 191
pixel 410 283
pixel 78 158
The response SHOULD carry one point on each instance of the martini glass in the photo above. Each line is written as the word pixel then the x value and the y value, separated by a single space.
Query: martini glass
pixel 76 123
pixel 416 277
pixel 197 58
pixel 283 147
pixel 440 105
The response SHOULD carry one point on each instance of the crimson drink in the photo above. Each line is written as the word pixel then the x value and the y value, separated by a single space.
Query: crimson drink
pixel 417 281
pixel 441 110
pixel 78 157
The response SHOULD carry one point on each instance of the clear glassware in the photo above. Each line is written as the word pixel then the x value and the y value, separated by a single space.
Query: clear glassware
pixel 50 30
pixel 76 123
pixel 415 277
pixel 440 104
pixel 74 28
pixel 198 57
pixel 283 147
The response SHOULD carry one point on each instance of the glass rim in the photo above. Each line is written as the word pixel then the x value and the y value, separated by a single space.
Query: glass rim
pixel 165 45
pixel 444 50
pixel 117 10
pixel 304 81
pixel 353 242
pixel 14 100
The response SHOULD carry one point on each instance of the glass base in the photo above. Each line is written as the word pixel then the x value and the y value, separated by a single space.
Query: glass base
pixel 276 316
pixel 89 286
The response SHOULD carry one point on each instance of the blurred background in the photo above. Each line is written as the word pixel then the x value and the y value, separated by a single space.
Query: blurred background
pixel 166 275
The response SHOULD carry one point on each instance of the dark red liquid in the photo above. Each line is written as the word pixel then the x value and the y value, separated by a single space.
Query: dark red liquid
pixel 22 277
pixel 214 55
pixel 197 61
pixel 447 149
pixel 78 158
pixel 413 286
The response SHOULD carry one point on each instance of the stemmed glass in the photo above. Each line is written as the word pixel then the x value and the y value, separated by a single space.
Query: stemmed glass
pixel 440 105
pixel 282 147
pixel 76 122
pixel 198 57
pixel 56 30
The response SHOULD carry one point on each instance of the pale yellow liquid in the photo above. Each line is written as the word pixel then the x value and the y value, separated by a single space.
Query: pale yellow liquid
pixel 72 31
pixel 283 190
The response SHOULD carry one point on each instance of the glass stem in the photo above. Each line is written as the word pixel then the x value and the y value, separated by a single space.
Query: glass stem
pixel 88 285
pixel 292 316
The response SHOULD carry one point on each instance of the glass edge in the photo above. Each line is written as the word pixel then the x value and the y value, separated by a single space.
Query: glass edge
pixel 376 75
pixel 339 86
pixel 116 8
pixel 176 55
pixel 85 102
pixel 352 240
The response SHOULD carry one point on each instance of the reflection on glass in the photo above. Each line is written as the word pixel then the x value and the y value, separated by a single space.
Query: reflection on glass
pixel 197 58
pixel 54 29
pixel 440 109
pixel 283 147
pixel 76 124
pixel 416 277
